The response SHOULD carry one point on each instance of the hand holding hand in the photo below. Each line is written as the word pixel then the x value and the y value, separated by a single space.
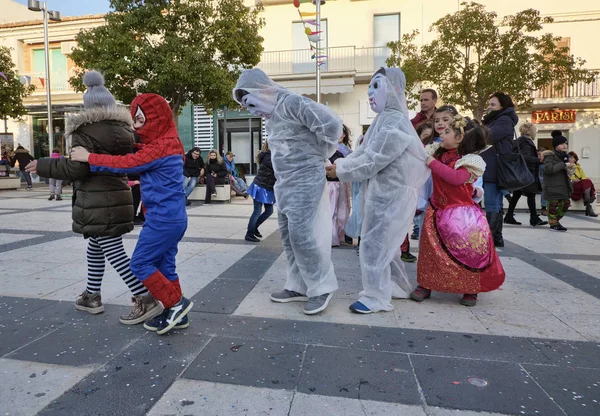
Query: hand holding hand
pixel 79 154
pixel 31 167
pixel 331 171
pixel 477 193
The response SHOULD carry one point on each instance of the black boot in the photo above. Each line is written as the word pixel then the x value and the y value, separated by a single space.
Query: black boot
pixel 589 211
pixel 496 227
pixel 535 221
pixel 510 219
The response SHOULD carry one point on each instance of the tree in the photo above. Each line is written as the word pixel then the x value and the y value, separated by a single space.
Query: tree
pixel 475 55
pixel 12 92
pixel 184 50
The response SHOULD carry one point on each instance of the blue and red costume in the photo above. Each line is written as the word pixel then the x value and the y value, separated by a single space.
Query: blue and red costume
pixel 159 163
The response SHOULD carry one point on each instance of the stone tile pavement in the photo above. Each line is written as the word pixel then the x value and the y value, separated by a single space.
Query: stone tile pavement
pixel 531 348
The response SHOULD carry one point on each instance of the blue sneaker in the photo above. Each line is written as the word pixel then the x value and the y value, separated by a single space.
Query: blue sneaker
pixel 154 323
pixel 358 307
pixel 174 315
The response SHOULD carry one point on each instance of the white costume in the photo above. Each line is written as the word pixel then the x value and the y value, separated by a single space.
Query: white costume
pixel 302 136
pixel 391 162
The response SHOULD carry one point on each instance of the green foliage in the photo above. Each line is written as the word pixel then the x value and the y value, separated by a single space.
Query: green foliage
pixel 12 91
pixel 184 50
pixel 475 55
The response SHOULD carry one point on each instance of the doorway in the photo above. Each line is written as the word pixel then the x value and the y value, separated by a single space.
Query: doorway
pixel 243 138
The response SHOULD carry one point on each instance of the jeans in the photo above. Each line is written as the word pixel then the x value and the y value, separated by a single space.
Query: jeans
pixel 492 197
pixel 239 183
pixel 256 219
pixel 55 186
pixel 27 177
pixel 189 184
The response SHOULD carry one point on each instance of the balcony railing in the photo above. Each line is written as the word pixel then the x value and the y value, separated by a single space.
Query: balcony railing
pixel 339 59
pixel 58 81
pixel 576 90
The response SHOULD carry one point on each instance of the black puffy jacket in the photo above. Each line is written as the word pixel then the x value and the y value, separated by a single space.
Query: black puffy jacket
pixel 22 156
pixel 265 178
pixel 192 166
pixel 502 133
pixel 103 203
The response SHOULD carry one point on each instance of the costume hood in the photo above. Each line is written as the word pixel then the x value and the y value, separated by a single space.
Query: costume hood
pixel 159 117
pixel 258 84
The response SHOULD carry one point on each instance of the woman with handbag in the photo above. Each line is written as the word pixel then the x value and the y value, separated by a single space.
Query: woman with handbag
pixel 500 120
pixel 526 147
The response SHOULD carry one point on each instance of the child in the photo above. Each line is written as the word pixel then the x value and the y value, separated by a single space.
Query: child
pixel 442 117
pixel 262 193
pixel 55 184
pixel 339 192
pixel 102 203
pixel 457 252
pixel 557 185
pixel 302 135
pixel 391 163
pixel 159 162
pixel 544 204
pixel 354 224
pixel 583 188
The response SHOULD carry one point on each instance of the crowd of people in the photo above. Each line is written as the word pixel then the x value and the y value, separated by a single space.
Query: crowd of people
pixel 423 179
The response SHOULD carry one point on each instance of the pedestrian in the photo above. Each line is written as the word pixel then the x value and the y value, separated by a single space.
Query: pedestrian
pixel 262 192
pixel 557 183
pixel 55 184
pixel 102 203
pixel 525 145
pixel 456 251
pixel 238 184
pixel 302 135
pixel 544 204
pixel 159 162
pixel 583 188
pixel 193 169
pixel 23 157
pixel 340 192
pixel 391 162
pixel 500 120
pixel 215 173
pixel 428 100
pixel 354 224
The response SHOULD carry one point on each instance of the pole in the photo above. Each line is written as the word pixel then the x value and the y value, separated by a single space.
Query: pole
pixel 48 99
pixel 318 52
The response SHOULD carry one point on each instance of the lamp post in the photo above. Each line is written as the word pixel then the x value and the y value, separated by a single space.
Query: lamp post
pixel 318 3
pixel 37 6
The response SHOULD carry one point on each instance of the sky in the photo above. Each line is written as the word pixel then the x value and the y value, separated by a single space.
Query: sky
pixel 76 7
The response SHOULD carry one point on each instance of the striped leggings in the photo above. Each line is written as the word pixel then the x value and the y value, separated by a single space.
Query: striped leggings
pixel 111 248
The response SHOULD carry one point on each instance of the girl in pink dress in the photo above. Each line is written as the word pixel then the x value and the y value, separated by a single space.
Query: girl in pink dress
pixel 457 252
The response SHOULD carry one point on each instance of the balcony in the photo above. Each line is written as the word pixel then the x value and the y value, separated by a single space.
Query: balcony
pixel 580 89
pixel 339 59
pixel 58 82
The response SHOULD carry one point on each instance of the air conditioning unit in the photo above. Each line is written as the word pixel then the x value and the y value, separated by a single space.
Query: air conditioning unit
pixel 67 47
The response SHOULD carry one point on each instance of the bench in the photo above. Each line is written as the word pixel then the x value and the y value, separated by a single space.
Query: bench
pixel 223 193
pixel 12 182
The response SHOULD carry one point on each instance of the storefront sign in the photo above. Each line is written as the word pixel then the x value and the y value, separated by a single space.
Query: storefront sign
pixel 553 116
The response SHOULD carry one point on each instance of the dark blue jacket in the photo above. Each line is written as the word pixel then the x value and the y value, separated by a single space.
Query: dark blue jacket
pixel 501 135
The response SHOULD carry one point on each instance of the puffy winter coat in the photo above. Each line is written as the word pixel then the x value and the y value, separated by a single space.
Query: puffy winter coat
pixel 191 168
pixel 103 204
pixel 502 132
pixel 22 156
pixel 527 148
pixel 265 178
pixel 557 184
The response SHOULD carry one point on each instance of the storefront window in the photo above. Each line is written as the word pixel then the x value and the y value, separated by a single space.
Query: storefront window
pixel 40 136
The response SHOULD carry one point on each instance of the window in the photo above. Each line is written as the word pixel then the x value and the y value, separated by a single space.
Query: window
pixel 58 67
pixel 302 54
pixel 386 28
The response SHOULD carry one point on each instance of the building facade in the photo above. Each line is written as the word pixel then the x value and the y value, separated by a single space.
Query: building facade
pixel 355 34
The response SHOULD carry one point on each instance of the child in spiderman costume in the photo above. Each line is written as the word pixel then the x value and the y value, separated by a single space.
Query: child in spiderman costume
pixel 159 162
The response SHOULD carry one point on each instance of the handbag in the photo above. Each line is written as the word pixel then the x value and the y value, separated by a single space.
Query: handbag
pixel 512 171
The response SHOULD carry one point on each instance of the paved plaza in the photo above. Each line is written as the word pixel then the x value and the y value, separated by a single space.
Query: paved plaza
pixel 531 348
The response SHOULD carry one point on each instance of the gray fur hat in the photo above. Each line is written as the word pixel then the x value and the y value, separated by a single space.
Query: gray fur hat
pixel 96 95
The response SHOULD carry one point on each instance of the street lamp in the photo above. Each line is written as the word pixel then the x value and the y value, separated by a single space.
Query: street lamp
pixel 37 6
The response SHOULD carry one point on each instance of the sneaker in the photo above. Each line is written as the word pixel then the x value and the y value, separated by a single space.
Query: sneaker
pixel 51 197
pixel 144 307
pixel 469 300
pixel 214 194
pixel 348 240
pixel 407 257
pixel 174 315
pixel 534 222
pixel 89 302
pixel 251 237
pixel 154 323
pixel 420 294
pixel 286 296
pixel 414 235
pixel 257 234
pixel 558 227
pixel 359 307
pixel 317 304
pixel 59 198
pixel 29 188
pixel 511 220
pixel 544 212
